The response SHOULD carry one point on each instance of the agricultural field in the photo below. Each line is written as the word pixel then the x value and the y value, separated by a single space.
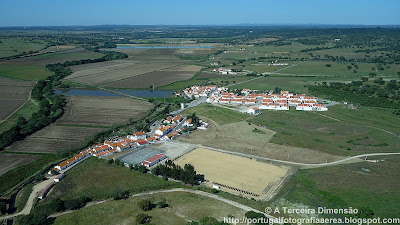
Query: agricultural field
pixel 53 138
pixel 15 46
pixel 64 54
pixel 23 72
pixel 182 207
pixel 12 96
pixel 95 178
pixel 234 171
pixel 140 70
pixel 358 185
pixel 294 134
pixel 9 161
pixel 102 111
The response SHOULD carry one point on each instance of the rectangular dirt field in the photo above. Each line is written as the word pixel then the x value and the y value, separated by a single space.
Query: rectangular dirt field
pixel 9 161
pixel 234 171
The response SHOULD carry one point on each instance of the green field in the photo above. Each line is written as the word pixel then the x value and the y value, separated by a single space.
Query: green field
pixel 95 178
pixel 372 185
pixel 220 115
pixel 25 111
pixel 23 196
pixel 23 72
pixel 15 46
pixel 358 131
pixel 22 173
pixel 182 208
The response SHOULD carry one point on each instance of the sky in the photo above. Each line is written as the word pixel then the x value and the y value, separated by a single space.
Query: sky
pixel 202 12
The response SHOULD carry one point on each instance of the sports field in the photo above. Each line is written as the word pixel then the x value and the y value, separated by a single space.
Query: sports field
pixel 234 171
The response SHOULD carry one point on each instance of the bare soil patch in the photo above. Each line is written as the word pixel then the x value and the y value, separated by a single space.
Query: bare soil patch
pixel 9 161
pixel 53 138
pixel 158 78
pixel 102 111
pixel 238 172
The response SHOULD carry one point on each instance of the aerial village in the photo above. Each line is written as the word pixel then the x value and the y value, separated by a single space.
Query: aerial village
pixel 253 101
pixel 173 126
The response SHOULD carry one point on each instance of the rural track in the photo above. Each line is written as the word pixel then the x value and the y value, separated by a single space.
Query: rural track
pixel 26 102
pixel 341 161
pixel 332 118
pixel 34 194
pixel 197 192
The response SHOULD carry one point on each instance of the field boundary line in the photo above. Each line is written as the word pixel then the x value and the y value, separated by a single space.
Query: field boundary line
pixel 389 132
pixel 26 102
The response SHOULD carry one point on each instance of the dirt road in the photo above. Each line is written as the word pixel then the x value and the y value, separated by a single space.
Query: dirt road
pixel 35 193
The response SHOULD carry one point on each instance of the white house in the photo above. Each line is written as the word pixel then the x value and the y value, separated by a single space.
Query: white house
pixel 253 111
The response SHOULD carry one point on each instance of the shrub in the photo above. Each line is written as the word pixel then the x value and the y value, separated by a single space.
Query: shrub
pixel 142 218
pixel 145 204
pixel 162 203
pixel 118 194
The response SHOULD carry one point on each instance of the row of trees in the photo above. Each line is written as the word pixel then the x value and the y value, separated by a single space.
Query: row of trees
pixel 170 169
pixel 50 108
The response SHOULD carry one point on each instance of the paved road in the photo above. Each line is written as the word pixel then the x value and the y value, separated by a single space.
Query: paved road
pixel 202 193
pixel 35 193
pixel 341 161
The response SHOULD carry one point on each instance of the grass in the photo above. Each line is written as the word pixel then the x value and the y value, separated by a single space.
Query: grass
pixel 15 46
pixel 22 197
pixel 220 115
pixel 315 131
pixel 25 111
pixel 24 72
pixel 95 178
pixel 16 176
pixel 354 185
pixel 182 207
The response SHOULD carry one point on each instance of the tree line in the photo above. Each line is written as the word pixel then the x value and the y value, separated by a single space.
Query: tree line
pixel 170 169
pixel 51 105
pixel 357 92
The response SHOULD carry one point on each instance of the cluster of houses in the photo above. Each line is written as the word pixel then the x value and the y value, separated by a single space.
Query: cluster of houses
pixel 270 100
pixel 223 70
pixel 166 131
pixel 199 91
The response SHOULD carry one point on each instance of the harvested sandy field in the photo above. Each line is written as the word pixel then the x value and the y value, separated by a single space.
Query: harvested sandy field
pixel 144 63
pixel 239 137
pixel 234 171
pixel 53 138
pixel 102 111
pixel 13 94
pixel 9 161
pixel 158 78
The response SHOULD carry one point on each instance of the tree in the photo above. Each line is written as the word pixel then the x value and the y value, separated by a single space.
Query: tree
pixel 142 218
pixel 111 161
pixel 142 169
pixel 3 207
pixel 328 65
pixel 364 79
pixel 162 203
pixel 145 204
